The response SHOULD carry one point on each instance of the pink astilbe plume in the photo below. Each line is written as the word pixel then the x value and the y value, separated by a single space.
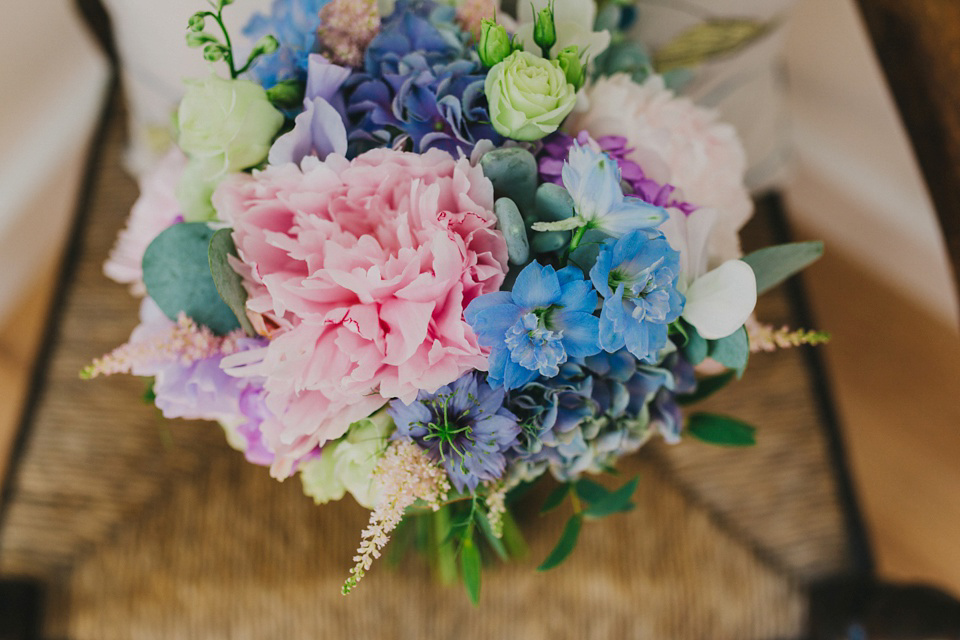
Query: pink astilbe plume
pixel 347 27
pixel 405 474
pixel 364 267
pixel 764 337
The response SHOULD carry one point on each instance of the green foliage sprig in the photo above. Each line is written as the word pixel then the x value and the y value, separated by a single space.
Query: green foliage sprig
pixel 215 49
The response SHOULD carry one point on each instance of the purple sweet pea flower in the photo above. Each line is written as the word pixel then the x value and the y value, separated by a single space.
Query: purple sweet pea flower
pixel 319 130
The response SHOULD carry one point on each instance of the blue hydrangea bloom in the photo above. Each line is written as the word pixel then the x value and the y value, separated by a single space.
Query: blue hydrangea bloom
pixel 637 277
pixel 464 426
pixel 421 84
pixel 546 319
pixel 597 409
pixel 294 24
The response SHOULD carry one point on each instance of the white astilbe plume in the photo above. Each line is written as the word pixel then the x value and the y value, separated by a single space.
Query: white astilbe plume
pixel 496 506
pixel 405 474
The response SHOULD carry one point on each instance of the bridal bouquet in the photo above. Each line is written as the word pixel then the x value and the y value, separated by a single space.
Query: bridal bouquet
pixel 426 254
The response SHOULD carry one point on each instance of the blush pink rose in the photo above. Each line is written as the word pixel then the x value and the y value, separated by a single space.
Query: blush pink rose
pixel 361 271
pixel 155 210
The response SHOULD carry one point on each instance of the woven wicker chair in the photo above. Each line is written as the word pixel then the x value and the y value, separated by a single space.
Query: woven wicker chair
pixel 127 527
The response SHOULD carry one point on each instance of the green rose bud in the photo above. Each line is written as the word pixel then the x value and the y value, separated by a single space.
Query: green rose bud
pixel 228 125
pixel 572 66
pixel 347 464
pixel 529 96
pixel 494 44
pixel 544 30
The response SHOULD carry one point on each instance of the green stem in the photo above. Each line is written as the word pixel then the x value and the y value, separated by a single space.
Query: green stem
pixel 228 56
pixel 574 243
pixel 445 564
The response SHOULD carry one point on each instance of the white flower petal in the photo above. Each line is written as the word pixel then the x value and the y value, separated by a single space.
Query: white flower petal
pixel 720 301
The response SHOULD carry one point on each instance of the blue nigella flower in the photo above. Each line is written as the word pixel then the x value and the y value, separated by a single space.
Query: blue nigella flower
pixel 294 24
pixel 421 83
pixel 532 330
pixel 464 426
pixel 637 277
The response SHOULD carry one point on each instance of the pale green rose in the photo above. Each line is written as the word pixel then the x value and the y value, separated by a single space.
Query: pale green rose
pixel 228 125
pixel 348 463
pixel 529 96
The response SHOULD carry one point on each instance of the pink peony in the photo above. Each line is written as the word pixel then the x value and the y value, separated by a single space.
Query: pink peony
pixel 363 269
pixel 675 142
pixel 155 210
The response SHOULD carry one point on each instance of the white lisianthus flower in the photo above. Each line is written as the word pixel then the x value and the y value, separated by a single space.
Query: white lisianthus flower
pixel 574 20
pixel 675 142
pixel 227 125
pixel 347 465
pixel 719 300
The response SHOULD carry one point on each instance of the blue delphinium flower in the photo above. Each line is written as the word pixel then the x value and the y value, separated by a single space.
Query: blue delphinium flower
pixel 421 83
pixel 533 329
pixel 464 426
pixel 593 180
pixel 294 24
pixel 637 277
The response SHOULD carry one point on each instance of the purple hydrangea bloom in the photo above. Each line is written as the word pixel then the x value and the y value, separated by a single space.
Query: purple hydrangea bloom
pixel 464 426
pixel 533 329
pixel 637 277
pixel 556 149
pixel 421 84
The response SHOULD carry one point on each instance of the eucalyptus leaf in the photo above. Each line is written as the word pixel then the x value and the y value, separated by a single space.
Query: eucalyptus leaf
pixel 553 202
pixel 550 241
pixel 513 172
pixel 721 430
pixel 773 265
pixel 566 544
pixel 556 498
pixel 471 567
pixel 176 272
pixel 228 282
pixel 732 351
pixel 696 348
pixel 615 502
pixel 513 229
pixel 706 388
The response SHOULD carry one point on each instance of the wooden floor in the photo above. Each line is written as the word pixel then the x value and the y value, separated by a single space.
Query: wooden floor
pixel 895 372
pixel 20 335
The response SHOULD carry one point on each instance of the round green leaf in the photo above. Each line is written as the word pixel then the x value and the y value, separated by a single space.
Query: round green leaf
pixel 176 272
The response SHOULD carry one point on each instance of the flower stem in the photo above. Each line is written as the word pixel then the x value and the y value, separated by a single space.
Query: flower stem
pixel 574 243
pixel 445 564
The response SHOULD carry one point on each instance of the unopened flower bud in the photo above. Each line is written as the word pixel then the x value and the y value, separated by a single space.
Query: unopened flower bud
pixel 573 67
pixel 494 44
pixel 213 53
pixel 266 45
pixel 544 30
pixel 196 22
